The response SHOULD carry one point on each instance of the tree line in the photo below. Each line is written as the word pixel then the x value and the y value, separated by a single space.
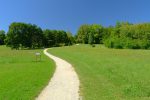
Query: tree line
pixel 23 35
pixel 127 35
pixel 122 35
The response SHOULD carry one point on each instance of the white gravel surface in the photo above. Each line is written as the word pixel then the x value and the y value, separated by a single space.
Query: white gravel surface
pixel 64 84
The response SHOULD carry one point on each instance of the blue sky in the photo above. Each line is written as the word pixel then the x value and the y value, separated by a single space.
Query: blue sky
pixel 70 14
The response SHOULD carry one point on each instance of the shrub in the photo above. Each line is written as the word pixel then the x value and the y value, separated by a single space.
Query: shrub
pixel 93 45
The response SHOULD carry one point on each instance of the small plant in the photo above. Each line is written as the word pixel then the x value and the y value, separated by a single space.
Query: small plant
pixel 93 45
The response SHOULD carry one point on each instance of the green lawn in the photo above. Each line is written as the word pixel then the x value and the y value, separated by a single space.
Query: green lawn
pixel 21 78
pixel 109 74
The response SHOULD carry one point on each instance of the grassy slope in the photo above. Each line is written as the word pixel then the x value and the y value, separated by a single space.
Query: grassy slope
pixel 109 74
pixel 21 78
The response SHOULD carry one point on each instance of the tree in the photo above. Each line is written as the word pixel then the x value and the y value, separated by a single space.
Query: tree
pixel 2 37
pixel 36 36
pixel 71 39
pixel 82 34
pixel 97 31
pixel 24 35
pixel 55 38
pixel 85 30
pixel 126 35
pixel 91 38
pixel 49 38
pixel 15 35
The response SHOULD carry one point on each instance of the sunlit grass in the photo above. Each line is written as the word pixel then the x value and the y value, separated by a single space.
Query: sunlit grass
pixel 21 77
pixel 109 74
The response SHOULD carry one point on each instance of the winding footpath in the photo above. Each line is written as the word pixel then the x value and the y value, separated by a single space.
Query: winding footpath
pixel 64 85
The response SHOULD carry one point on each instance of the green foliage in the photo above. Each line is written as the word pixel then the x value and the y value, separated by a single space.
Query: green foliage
pixel 49 38
pixel 82 34
pixel 126 35
pixel 71 39
pixel 123 35
pixel 85 31
pixel 91 38
pixel 2 37
pixel 24 35
pixel 57 38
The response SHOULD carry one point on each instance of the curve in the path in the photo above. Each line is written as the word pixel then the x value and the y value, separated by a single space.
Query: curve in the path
pixel 64 84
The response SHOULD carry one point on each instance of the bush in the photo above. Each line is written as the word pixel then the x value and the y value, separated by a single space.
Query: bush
pixel 109 43
pixel 119 43
pixel 93 45
pixel 144 44
pixel 130 36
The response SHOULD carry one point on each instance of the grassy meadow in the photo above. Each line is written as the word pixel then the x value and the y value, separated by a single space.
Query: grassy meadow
pixel 109 74
pixel 21 78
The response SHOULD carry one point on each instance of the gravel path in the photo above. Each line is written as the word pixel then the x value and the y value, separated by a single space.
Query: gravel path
pixel 64 85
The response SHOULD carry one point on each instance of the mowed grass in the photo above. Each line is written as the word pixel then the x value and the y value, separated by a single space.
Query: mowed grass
pixel 109 74
pixel 21 78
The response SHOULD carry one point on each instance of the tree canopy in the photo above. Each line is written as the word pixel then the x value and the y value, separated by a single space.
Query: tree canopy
pixel 2 37
pixel 90 34
pixel 131 36
pixel 22 35
pixel 56 38
pixel 122 35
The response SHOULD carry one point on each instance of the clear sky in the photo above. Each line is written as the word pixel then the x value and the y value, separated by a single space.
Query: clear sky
pixel 70 14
